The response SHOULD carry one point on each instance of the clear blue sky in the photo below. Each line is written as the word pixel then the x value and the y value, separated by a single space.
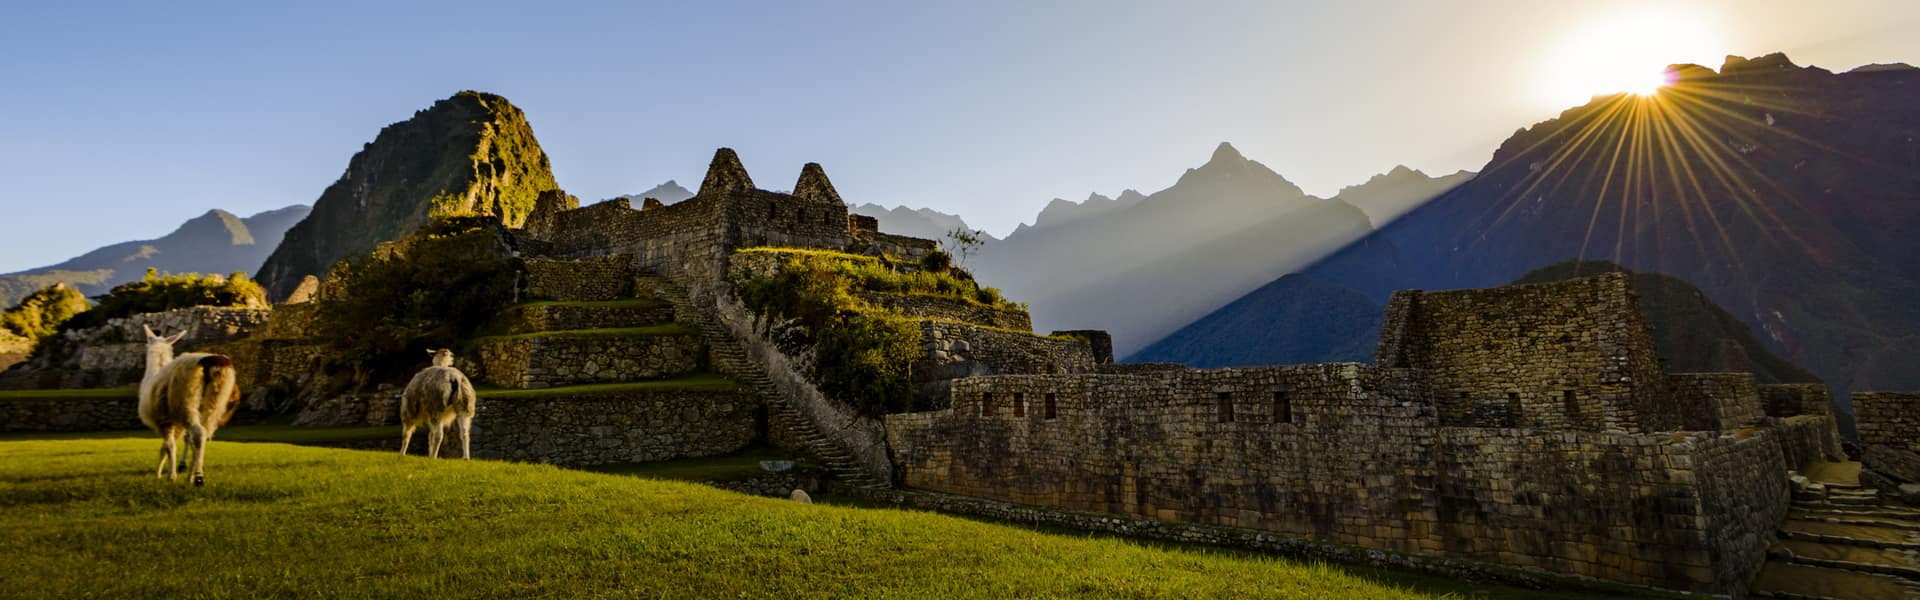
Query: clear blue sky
pixel 122 120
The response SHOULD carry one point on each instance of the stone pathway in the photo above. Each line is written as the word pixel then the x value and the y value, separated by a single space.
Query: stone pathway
pixel 1843 542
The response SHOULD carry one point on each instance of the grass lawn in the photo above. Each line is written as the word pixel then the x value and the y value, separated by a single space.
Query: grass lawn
pixel 84 518
pixel 733 467
pixel 91 393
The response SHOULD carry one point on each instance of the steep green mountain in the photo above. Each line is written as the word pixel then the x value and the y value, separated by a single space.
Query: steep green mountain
pixel 472 154
pixel 1691 332
pixel 1294 320
pixel 215 242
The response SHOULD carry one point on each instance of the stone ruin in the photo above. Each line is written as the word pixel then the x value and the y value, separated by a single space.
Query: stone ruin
pixel 1530 427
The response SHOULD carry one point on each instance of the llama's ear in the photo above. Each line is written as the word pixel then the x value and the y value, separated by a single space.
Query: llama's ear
pixel 431 352
pixel 176 337
pixel 150 335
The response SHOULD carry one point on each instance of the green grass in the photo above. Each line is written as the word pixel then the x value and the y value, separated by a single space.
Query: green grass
pixel 698 382
pixel 85 394
pixel 266 432
pixel 648 331
pixel 84 518
pixel 732 467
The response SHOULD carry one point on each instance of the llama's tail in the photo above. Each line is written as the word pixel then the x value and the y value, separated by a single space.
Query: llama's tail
pixel 217 386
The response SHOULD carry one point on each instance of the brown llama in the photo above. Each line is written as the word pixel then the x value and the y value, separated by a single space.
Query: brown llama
pixel 437 396
pixel 190 395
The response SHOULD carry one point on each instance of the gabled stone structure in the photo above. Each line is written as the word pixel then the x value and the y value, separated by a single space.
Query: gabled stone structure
pixel 1528 426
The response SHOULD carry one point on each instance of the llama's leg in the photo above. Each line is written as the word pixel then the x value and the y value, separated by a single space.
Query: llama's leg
pixel 166 455
pixel 199 434
pixel 406 436
pixel 434 434
pixel 179 444
pixel 466 437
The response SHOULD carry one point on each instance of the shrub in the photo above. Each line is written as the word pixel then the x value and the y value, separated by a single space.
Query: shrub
pixel 860 353
pixel 41 313
pixel 160 293
pixel 434 289
pixel 937 261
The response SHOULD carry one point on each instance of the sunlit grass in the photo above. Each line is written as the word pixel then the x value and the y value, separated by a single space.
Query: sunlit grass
pixel 84 519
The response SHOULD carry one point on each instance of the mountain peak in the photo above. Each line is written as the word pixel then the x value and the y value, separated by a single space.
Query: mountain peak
pixel 1226 153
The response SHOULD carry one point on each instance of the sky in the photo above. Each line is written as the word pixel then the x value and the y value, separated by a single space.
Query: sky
pixel 123 120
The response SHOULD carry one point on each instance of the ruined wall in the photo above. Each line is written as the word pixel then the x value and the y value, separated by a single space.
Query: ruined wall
pixel 1353 454
pixel 595 279
pixel 586 430
pixel 69 414
pixel 543 361
pixel 684 238
pixel 1003 352
pixel 1563 355
pixel 951 309
pixel 114 354
pixel 1888 419
pixel 565 317
pixel 1714 401
pixel 763 218
pixel 1792 399
pixel 910 249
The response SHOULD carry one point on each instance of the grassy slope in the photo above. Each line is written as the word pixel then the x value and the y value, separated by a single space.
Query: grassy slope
pixel 82 519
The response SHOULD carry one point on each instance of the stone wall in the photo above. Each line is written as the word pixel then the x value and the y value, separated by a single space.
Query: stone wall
pixel 1888 419
pixel 69 414
pixel 1002 351
pixel 598 278
pixel 542 361
pixel 585 430
pixel 1353 454
pixel 1564 355
pixel 564 317
pixel 910 249
pixel 1714 401
pixel 951 309
pixel 1792 399
pixel 114 354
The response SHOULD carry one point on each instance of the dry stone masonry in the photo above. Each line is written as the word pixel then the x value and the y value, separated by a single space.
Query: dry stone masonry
pixel 1528 426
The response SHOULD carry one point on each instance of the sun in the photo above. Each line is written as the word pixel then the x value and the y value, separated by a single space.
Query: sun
pixel 1624 53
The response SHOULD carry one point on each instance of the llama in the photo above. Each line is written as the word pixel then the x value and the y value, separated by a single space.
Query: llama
pixel 190 395
pixel 435 398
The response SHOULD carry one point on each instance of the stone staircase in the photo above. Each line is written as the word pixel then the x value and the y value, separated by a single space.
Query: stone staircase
pixel 731 359
pixel 1841 541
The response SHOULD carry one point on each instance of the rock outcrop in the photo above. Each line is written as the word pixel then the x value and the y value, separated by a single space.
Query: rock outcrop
pixel 472 154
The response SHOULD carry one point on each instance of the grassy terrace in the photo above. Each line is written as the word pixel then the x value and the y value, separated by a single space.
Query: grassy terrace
pixel 648 331
pixel 84 518
pixel 628 303
pixel 86 394
pixel 698 382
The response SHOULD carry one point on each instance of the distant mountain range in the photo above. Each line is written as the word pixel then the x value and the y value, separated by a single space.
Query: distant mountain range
pixel 1787 194
pixel 215 242
pixel 915 222
pixel 1141 266
pixel 471 154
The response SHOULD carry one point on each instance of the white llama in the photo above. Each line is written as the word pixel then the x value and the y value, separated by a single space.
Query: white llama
pixel 189 395
pixel 435 398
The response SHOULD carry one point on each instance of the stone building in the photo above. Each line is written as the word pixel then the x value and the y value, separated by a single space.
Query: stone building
pixel 1528 426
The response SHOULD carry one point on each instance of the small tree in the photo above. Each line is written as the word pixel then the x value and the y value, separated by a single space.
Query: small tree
pixel 963 242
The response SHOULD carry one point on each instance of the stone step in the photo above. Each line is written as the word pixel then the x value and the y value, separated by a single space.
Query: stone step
pixel 1896 563
pixel 562 358
pixel 1780 578
pixel 1849 534
pixel 549 316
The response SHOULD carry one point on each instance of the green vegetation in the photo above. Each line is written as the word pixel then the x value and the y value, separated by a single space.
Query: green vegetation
pixel 861 352
pixel 732 467
pixel 877 274
pixel 647 331
pixel 41 313
pixel 85 518
pixel 16 286
pixel 158 292
pixel 432 290
pixel 85 394
pixel 698 382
